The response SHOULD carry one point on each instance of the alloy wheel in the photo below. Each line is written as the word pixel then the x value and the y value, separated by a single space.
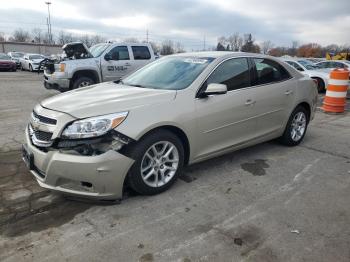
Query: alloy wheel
pixel 298 126
pixel 159 164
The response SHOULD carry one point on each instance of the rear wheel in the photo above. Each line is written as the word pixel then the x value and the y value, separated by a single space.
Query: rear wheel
pixel 82 82
pixel 159 158
pixel 296 127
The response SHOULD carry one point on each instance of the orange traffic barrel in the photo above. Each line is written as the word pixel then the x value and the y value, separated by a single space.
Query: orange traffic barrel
pixel 335 99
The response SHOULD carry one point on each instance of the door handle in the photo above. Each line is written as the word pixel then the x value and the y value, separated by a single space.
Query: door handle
pixel 127 64
pixel 288 92
pixel 249 102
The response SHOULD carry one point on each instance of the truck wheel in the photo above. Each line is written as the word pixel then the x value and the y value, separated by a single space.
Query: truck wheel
pixel 82 82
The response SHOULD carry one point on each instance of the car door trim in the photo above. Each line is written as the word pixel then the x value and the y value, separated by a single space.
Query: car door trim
pixel 250 63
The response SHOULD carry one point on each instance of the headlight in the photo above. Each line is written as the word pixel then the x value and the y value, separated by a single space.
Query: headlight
pixel 94 126
pixel 62 67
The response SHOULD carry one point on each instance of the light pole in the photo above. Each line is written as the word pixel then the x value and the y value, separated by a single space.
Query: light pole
pixel 49 22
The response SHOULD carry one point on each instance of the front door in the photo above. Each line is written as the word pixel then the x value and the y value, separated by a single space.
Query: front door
pixel 226 120
pixel 118 64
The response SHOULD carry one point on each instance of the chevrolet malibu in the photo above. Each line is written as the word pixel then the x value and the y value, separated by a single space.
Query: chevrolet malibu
pixel 176 111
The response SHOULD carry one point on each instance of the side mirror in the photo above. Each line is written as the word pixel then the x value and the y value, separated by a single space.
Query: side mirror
pixel 108 57
pixel 215 89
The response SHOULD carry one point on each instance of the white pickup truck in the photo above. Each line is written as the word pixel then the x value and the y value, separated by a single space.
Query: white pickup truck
pixel 102 62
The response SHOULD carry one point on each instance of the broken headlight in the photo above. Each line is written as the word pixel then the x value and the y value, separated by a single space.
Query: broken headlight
pixel 93 126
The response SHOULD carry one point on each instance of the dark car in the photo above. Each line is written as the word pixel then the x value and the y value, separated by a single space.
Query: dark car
pixel 6 63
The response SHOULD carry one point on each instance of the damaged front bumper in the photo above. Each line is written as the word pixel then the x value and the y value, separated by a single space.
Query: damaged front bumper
pixel 99 176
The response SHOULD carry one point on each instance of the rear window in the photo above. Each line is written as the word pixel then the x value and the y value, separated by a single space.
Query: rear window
pixel 141 53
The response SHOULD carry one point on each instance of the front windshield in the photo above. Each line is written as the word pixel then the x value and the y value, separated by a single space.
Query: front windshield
pixel 308 65
pixel 98 49
pixel 4 57
pixel 171 73
pixel 31 57
pixel 17 55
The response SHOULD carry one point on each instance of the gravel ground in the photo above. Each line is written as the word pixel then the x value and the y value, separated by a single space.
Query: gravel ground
pixel 264 203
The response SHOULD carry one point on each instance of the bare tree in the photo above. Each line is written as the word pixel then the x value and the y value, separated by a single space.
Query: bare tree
pixel 266 46
pixel 249 45
pixel 131 40
pixel 20 35
pixel 37 35
pixel 86 39
pixel 179 48
pixel 235 41
pixel 64 38
pixel 155 47
pixel 2 37
pixel 96 39
pixel 167 47
pixel 222 40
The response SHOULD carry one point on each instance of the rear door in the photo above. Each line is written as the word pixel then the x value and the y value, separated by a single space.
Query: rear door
pixel 274 92
pixel 119 65
pixel 228 119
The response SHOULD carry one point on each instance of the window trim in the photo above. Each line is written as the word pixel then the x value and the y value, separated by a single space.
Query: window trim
pixel 117 47
pixel 283 80
pixel 251 65
pixel 211 72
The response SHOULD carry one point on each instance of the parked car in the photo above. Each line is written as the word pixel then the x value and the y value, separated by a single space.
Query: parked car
pixel 311 70
pixel 178 110
pixel 6 63
pixel 314 60
pixel 15 56
pixel 328 65
pixel 102 62
pixel 31 62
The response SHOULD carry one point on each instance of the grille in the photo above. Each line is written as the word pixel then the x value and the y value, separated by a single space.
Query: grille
pixel 42 135
pixel 44 119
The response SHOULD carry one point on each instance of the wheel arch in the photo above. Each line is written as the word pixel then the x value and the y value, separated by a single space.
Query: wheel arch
pixel 179 133
pixel 87 73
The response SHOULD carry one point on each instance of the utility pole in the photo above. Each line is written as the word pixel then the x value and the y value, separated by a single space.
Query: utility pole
pixel 49 22
pixel 147 35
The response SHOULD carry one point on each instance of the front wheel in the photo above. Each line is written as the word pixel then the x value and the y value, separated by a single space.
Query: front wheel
pixel 31 68
pixel 296 127
pixel 159 158
pixel 82 82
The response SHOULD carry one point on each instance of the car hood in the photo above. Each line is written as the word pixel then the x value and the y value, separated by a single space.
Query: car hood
pixel 6 61
pixel 106 98
pixel 37 60
pixel 76 50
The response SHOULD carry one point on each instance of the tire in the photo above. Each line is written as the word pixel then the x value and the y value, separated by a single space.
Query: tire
pixel 156 183
pixel 287 138
pixel 82 82
pixel 31 68
pixel 21 66
pixel 321 87
pixel 14 70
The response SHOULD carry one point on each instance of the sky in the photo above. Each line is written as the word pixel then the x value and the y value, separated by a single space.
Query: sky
pixel 194 23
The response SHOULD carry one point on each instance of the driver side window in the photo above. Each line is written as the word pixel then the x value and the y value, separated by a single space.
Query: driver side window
pixel 119 53
pixel 234 73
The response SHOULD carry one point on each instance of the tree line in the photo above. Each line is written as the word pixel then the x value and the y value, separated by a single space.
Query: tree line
pixel 37 35
pixel 247 43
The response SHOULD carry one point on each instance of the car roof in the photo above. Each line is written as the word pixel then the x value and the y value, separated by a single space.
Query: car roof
pixel 222 54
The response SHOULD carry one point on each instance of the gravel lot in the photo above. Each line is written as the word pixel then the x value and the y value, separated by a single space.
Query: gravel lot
pixel 264 203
